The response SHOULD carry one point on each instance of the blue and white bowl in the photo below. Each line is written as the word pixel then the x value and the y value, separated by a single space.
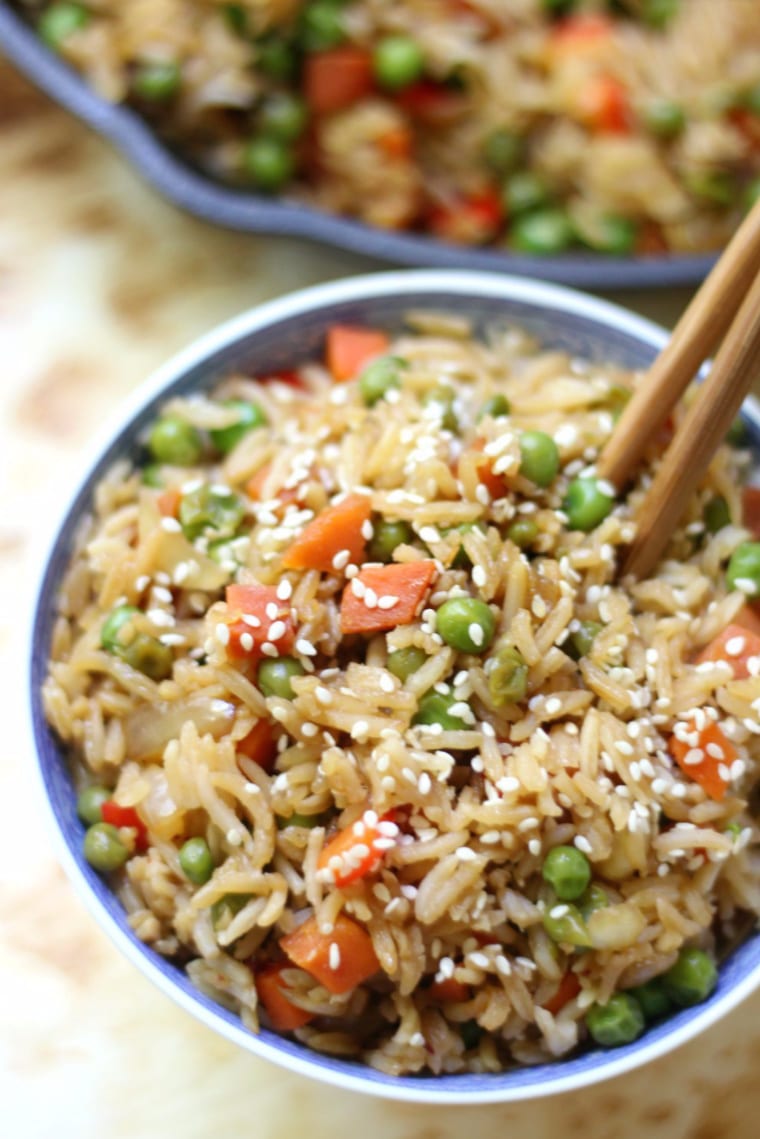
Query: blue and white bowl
pixel 279 335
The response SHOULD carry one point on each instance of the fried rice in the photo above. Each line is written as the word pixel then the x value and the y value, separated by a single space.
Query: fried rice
pixel 372 810
pixel 626 128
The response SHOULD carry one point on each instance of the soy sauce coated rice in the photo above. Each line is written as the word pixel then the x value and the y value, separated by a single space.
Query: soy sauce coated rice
pixel 478 964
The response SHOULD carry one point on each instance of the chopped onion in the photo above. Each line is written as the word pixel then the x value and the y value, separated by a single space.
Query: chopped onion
pixel 151 726
pixel 615 927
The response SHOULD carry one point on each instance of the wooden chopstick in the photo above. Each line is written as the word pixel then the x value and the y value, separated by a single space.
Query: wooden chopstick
pixel 696 335
pixel 717 401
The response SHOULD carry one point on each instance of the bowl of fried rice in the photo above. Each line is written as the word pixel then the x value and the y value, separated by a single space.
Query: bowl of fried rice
pixel 352 736
pixel 596 144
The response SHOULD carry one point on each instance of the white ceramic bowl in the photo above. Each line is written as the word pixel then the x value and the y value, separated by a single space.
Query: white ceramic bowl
pixel 279 335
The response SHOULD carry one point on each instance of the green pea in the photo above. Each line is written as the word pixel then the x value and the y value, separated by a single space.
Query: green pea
pixel 321 25
pixel 542 232
pixel 586 504
pixel 225 908
pixel 276 59
pixel 652 998
pixel 664 118
pixel 734 829
pixel 539 460
pixel 283 116
pixel 751 193
pixel 149 656
pixel 525 191
pixel 743 570
pixel 564 924
pixel 558 7
pixel 716 514
pixel 111 631
pixel 751 99
pixel 157 80
pixel 250 416
pixel 151 475
pixel 581 640
pixel 403 663
pixel 142 652
pixel 736 436
pixel 210 508
pixel 236 18
pixel 442 400
pixel 89 802
pixel 496 406
pixel 614 234
pixel 715 186
pixel 523 532
pixel 196 860
pixel 471 1034
pixel 103 848
pixel 435 708
pixel 461 559
pixel 466 624
pixel 173 440
pixel 508 677
pixel 60 21
pixel 268 162
pixel 502 150
pixel 275 674
pixel 659 13
pixel 397 61
pixel 568 872
pixel 379 377
pixel 386 537
pixel 692 978
pixel 595 898
pixel 620 1021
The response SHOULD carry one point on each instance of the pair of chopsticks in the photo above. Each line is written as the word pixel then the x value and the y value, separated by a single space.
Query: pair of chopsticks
pixel 727 308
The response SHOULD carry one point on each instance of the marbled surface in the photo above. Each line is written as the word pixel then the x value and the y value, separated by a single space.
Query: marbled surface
pixel 99 282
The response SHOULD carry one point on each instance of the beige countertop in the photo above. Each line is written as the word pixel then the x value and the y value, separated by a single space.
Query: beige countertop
pixel 100 281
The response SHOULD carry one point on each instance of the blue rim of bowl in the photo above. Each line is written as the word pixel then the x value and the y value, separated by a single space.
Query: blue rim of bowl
pixel 246 211
pixel 191 369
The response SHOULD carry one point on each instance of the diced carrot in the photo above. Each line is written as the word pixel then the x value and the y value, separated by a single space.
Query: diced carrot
pixel 397 143
pixel 285 497
pixel 735 645
pixel 749 617
pixel 272 991
pixel 584 33
pixel 348 348
pixel 336 530
pixel 118 816
pixel 449 991
pixel 751 509
pixel 268 620
pixel 352 961
pixel 651 239
pixel 602 103
pixel 748 123
pixel 354 852
pixel 336 78
pixel 260 745
pixel 471 220
pixel 712 753
pixel 405 585
pixel 287 376
pixel 431 102
pixel 168 502
pixel 494 483
pixel 566 990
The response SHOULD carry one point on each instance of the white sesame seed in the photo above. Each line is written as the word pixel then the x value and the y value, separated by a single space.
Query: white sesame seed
pixel 341 559
pixel 528 824
pixel 582 843
pixel 305 648
pixel 246 642
pixel 251 621
pixel 476 633
pixel 387 601
pixel 360 730
pixel 268 649
pixel 534 846
pixel 466 854
pixel 508 783
pixel 234 837
pixel 222 633
pixel 370 597
pixel 559 911
pixel 334 956
pixel 735 646
pixel 479 960
pixel 424 783
pixel 171 525
pixel 276 631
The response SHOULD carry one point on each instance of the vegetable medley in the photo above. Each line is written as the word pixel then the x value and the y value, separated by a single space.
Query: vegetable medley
pixel 627 127
pixel 369 736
